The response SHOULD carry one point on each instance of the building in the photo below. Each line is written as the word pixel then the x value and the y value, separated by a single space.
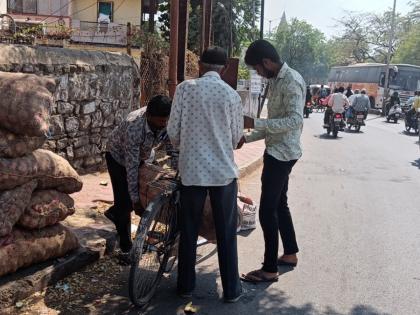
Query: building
pixel 90 21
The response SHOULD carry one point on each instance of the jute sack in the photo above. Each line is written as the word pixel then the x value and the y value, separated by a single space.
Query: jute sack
pixel 25 103
pixel 46 207
pixel 28 247
pixel 12 145
pixel 51 170
pixel 12 205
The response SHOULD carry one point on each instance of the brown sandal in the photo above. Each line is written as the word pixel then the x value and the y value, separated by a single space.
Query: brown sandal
pixel 257 276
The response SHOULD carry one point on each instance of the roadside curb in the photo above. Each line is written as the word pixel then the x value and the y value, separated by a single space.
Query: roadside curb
pixel 249 168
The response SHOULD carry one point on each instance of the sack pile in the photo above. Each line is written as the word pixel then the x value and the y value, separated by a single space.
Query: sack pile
pixel 153 180
pixel 34 183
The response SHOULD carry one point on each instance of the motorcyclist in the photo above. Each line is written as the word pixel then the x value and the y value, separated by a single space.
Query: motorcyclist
pixel 361 103
pixel 349 112
pixel 337 104
pixel 415 107
pixel 395 99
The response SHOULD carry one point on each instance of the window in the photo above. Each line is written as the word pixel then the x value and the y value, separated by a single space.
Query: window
pixel 22 6
pixel 106 8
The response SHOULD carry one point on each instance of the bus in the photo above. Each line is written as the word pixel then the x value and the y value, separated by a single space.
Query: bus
pixel 404 79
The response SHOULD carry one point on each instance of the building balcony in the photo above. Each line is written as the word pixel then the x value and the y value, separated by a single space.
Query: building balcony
pixel 99 33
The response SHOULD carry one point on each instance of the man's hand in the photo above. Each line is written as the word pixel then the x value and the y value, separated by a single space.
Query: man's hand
pixel 241 142
pixel 138 208
pixel 248 122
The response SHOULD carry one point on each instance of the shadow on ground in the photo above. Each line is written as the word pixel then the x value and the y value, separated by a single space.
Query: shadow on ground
pixel 416 163
pixel 328 137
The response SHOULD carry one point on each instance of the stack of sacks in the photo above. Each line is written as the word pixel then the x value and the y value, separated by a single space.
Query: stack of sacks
pixel 34 183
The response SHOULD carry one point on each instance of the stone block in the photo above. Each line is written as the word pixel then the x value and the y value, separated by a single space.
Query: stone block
pixel 109 121
pixel 70 153
pixel 85 122
pixel 81 141
pixel 97 120
pixel 62 143
pixel 56 125
pixel 64 108
pixel 106 108
pixel 95 139
pixel 72 124
pixel 89 108
pixel 82 152
pixel 50 145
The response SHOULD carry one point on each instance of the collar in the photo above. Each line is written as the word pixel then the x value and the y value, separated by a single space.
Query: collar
pixel 212 74
pixel 147 127
pixel 282 72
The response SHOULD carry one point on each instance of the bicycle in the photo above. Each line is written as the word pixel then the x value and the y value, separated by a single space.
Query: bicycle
pixel 155 246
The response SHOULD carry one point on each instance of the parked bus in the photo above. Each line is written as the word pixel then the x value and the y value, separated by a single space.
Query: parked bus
pixel 405 79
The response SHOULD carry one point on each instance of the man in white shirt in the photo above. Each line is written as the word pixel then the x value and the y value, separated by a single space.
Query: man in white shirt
pixel 337 104
pixel 206 122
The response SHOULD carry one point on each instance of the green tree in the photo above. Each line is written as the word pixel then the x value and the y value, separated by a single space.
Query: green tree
pixel 303 48
pixel 409 50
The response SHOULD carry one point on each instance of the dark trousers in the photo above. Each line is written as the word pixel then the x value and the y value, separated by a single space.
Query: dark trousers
pixel 225 215
pixel 327 115
pixel 274 211
pixel 121 210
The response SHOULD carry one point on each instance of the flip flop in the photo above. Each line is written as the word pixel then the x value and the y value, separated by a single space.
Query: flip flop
pixel 257 276
pixel 281 262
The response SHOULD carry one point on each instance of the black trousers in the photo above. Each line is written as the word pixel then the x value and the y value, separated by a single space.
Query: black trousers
pixel 274 211
pixel 121 210
pixel 225 213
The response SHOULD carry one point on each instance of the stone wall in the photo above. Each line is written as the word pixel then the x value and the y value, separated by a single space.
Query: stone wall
pixel 95 91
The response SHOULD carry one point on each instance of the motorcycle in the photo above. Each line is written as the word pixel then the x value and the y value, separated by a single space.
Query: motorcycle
pixel 307 109
pixel 356 120
pixel 412 121
pixel 394 114
pixel 336 123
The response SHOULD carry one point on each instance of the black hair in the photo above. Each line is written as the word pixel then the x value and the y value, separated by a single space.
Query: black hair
pixel 159 106
pixel 341 89
pixel 214 56
pixel 335 90
pixel 259 50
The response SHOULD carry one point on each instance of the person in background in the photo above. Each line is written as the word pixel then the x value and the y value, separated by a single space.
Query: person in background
pixel 361 103
pixel 282 131
pixel 206 123
pixel 337 104
pixel 349 112
pixel 394 100
pixel 349 92
pixel 129 145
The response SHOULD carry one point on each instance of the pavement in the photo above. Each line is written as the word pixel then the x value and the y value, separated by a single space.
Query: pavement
pixel 247 159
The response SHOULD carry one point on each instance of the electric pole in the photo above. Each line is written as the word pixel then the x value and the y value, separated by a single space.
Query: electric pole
pixel 388 59
pixel 262 20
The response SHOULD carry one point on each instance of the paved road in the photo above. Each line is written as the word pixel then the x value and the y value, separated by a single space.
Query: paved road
pixel 356 207
pixel 356 204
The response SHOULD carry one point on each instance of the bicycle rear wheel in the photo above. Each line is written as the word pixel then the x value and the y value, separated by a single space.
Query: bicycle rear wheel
pixel 152 248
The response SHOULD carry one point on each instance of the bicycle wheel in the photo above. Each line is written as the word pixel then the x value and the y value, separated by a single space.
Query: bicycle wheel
pixel 152 247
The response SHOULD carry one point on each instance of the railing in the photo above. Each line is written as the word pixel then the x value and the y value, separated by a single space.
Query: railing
pixel 99 33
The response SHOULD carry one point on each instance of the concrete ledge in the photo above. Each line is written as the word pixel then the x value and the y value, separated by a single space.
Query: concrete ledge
pixel 250 167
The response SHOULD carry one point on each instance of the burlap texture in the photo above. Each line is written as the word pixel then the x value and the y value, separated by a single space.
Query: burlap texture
pixel 46 207
pixel 29 247
pixel 51 171
pixel 12 205
pixel 25 103
pixel 12 146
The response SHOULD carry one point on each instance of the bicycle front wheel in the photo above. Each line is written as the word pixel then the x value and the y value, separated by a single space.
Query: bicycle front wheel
pixel 152 248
